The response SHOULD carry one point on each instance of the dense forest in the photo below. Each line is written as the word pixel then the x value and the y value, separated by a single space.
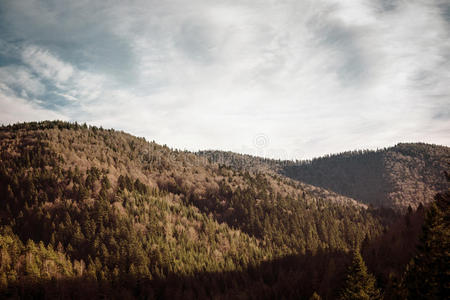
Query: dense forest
pixel 397 177
pixel 121 217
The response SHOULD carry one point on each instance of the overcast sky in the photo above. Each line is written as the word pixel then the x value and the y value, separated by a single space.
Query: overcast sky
pixel 285 79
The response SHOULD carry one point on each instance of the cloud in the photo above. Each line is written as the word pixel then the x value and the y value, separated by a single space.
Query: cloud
pixel 16 109
pixel 313 76
pixel 20 78
pixel 46 64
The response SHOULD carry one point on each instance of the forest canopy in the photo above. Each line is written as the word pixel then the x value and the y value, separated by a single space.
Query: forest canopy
pixel 123 217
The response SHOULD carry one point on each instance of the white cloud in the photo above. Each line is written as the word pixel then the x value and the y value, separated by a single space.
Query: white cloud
pixel 314 76
pixel 16 109
pixel 46 64
pixel 21 78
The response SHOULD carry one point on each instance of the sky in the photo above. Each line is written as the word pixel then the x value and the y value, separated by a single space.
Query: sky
pixel 281 79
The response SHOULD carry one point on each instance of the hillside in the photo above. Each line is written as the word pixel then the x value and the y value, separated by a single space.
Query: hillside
pixel 127 218
pixel 83 201
pixel 396 177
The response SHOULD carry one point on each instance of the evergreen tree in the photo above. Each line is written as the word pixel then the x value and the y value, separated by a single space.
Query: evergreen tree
pixel 359 283
pixel 428 274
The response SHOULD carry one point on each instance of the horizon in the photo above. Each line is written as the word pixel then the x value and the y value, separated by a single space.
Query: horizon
pixel 291 80
pixel 258 151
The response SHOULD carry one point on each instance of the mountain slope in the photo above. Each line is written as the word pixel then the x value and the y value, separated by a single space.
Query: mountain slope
pixel 105 206
pixel 396 177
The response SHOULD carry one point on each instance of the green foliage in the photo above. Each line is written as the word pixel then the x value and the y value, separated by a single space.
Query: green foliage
pixel 359 284
pixel 29 262
pixel 122 217
pixel 428 274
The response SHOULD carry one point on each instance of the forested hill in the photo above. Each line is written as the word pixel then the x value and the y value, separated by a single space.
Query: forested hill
pixel 125 218
pixel 396 177
pixel 84 202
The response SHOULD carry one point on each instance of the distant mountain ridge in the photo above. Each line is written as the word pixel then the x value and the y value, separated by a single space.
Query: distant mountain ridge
pixel 404 175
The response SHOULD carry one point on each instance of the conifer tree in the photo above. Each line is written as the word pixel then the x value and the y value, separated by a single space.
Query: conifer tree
pixel 428 274
pixel 359 283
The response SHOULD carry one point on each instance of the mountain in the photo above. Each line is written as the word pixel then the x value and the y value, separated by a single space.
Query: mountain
pixel 121 217
pixel 397 177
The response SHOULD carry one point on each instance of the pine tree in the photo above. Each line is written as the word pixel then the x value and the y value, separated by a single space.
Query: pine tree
pixel 359 283
pixel 428 274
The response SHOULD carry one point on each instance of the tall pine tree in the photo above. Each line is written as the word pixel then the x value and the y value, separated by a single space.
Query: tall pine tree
pixel 428 274
pixel 359 284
